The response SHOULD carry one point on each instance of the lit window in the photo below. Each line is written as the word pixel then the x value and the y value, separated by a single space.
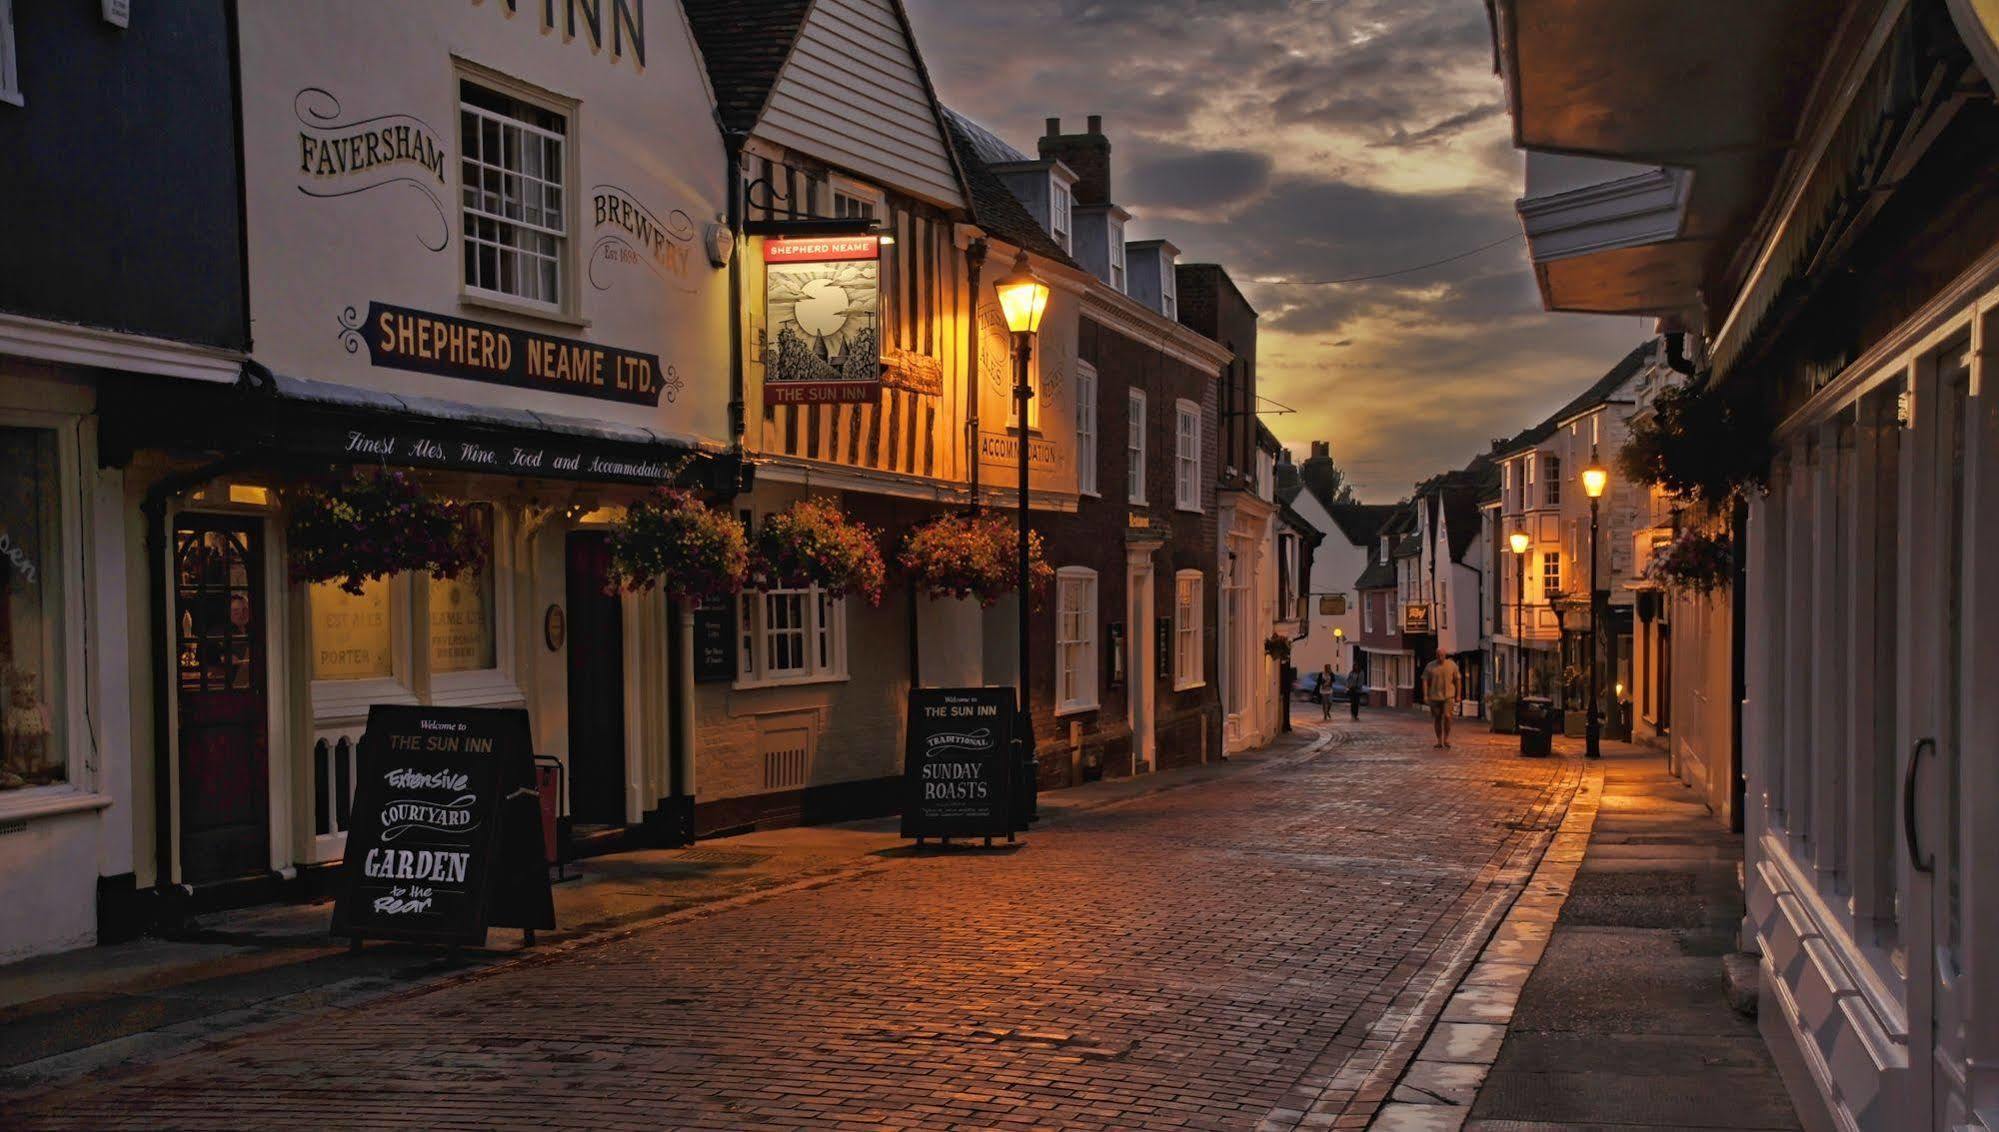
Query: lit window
pixel 10 78
pixel 1086 428
pixel 1117 254
pixel 1059 202
pixel 1187 629
pixel 516 235
pixel 461 609
pixel 1187 456
pixel 33 744
pixel 792 635
pixel 1134 447
pixel 1551 573
pixel 353 635
pixel 1075 639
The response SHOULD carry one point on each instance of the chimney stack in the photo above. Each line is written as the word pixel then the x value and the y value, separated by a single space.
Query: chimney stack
pixel 1087 154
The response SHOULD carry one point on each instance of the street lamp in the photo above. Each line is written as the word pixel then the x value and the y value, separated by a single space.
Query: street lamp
pixel 1023 299
pixel 1595 479
pixel 1340 645
pixel 1518 541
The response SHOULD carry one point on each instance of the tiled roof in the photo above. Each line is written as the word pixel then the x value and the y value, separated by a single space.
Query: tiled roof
pixel 1360 522
pixel 743 45
pixel 994 208
pixel 1595 395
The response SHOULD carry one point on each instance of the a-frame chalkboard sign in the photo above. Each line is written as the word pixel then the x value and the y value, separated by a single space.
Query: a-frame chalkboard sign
pixel 960 763
pixel 445 839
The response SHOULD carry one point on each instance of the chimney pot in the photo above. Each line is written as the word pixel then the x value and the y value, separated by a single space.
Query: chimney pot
pixel 1054 127
pixel 1322 448
pixel 1096 123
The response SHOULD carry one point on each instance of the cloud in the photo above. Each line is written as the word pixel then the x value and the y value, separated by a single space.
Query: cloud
pixel 1310 140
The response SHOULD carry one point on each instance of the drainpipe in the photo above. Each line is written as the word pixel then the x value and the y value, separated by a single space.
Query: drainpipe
pixel 1676 353
pixel 975 259
pixel 732 147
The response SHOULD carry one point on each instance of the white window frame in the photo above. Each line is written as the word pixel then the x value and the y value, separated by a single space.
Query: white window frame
pixel 1189 631
pixel 822 634
pixel 1075 640
pixel 1134 446
pixel 1061 211
pixel 854 199
pixel 564 303
pixel 1169 288
pixel 1086 428
pixel 1551 568
pixel 1186 455
pixel 10 74
pixel 1117 261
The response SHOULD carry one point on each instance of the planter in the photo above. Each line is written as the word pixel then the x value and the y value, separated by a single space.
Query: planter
pixel 672 540
pixel 976 556
pixel 1504 713
pixel 377 525
pixel 814 543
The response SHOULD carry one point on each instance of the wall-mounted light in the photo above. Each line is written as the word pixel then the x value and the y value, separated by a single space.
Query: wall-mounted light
pixel 721 244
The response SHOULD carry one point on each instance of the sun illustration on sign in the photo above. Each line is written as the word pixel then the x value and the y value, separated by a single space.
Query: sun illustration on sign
pixel 824 318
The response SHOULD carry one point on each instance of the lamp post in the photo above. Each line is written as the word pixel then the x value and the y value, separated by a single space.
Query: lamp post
pixel 1340 646
pixel 1518 541
pixel 1595 479
pixel 1023 299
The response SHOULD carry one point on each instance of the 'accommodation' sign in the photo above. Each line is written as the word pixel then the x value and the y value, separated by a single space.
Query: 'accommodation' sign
pixel 401 338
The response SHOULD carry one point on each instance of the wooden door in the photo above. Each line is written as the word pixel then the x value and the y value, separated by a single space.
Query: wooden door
pixel 596 685
pixel 220 687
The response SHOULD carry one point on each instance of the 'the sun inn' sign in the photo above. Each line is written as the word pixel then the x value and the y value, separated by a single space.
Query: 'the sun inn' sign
pixel 401 338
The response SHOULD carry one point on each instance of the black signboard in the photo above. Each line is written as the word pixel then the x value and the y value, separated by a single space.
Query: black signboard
pixel 402 338
pixel 446 834
pixel 715 640
pixel 959 767
pixel 1163 644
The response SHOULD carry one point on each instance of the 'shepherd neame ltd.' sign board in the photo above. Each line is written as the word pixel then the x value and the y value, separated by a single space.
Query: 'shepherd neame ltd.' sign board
pixel 446 834
pixel 959 766
pixel 425 342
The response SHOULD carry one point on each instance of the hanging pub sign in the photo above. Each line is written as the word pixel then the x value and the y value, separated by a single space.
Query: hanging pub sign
pixel 822 303
pixel 401 338
pixel 1416 618
pixel 446 836
pixel 958 768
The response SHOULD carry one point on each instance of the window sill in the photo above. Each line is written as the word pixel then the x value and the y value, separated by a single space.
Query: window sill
pixel 1189 685
pixel 48 801
pixel 12 98
pixel 790 682
pixel 1194 510
pixel 1134 502
pixel 483 300
pixel 478 688
pixel 1078 709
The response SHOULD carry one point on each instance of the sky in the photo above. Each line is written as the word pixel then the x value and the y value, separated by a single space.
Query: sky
pixel 1310 140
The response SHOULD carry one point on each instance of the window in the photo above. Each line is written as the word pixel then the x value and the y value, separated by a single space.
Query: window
pixel 10 79
pixel 1553 473
pixel 1086 428
pixel 1186 456
pixel 33 745
pixel 1134 448
pixel 1367 613
pixel 1169 295
pixel 512 174
pixel 461 609
pixel 1187 626
pixel 792 635
pixel 1117 254
pixel 1287 576
pixel 855 201
pixel 1551 573
pixel 1058 211
pixel 1075 639
pixel 353 635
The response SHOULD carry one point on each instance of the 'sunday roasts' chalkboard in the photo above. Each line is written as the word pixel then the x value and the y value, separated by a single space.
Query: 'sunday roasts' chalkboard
pixel 446 836
pixel 959 766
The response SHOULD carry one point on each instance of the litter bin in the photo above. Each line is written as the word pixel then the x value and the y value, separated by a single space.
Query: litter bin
pixel 1537 723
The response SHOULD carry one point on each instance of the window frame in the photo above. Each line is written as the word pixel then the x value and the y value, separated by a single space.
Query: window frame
pixel 1189 630
pixel 1169 288
pixel 1076 656
pixel 859 192
pixel 1061 211
pixel 1551 494
pixel 10 70
pixel 1086 429
pixel 1120 278
pixel 824 629
pixel 565 307
pixel 1551 568
pixel 1186 464
pixel 1137 423
pixel 76 638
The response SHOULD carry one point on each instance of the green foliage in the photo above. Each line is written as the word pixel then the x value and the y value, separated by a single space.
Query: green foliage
pixel 1699 447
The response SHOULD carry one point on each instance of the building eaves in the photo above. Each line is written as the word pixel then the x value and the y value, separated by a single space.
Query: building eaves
pixel 743 47
pixel 994 207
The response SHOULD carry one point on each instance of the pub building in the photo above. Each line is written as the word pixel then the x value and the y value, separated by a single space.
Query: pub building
pixel 479 251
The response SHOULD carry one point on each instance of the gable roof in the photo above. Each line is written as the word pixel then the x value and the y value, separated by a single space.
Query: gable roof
pixel 1361 523
pixel 994 207
pixel 744 46
pixel 1598 392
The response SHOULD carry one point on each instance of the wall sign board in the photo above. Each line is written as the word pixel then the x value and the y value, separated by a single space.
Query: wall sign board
pixel 401 338
pixel 959 766
pixel 715 658
pixel 446 837
pixel 822 299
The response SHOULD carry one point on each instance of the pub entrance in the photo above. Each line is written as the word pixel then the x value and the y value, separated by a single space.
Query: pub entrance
pixel 220 686
pixel 596 685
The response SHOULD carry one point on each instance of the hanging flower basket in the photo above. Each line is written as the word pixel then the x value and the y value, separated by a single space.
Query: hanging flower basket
pixel 1278 648
pixel 1694 562
pixel 958 556
pixel 375 525
pixel 672 540
pixel 1699 447
pixel 814 543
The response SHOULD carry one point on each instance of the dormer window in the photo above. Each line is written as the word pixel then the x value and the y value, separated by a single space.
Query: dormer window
pixel 1059 205
pixel 1116 227
pixel 1169 296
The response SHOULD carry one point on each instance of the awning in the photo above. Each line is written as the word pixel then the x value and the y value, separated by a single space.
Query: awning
pixel 296 420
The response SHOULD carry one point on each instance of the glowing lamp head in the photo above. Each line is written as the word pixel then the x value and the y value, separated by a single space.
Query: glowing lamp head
pixel 1595 479
pixel 1339 634
pixel 1023 297
pixel 1518 541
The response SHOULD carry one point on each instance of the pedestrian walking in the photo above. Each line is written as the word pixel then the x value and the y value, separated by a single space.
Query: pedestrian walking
pixel 1442 687
pixel 1356 691
pixel 1323 690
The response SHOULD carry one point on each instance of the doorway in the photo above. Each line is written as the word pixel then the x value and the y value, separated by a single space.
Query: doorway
pixel 1139 665
pixel 596 654
pixel 221 697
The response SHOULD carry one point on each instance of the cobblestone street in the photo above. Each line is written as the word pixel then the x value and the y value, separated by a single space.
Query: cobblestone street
pixel 1226 955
